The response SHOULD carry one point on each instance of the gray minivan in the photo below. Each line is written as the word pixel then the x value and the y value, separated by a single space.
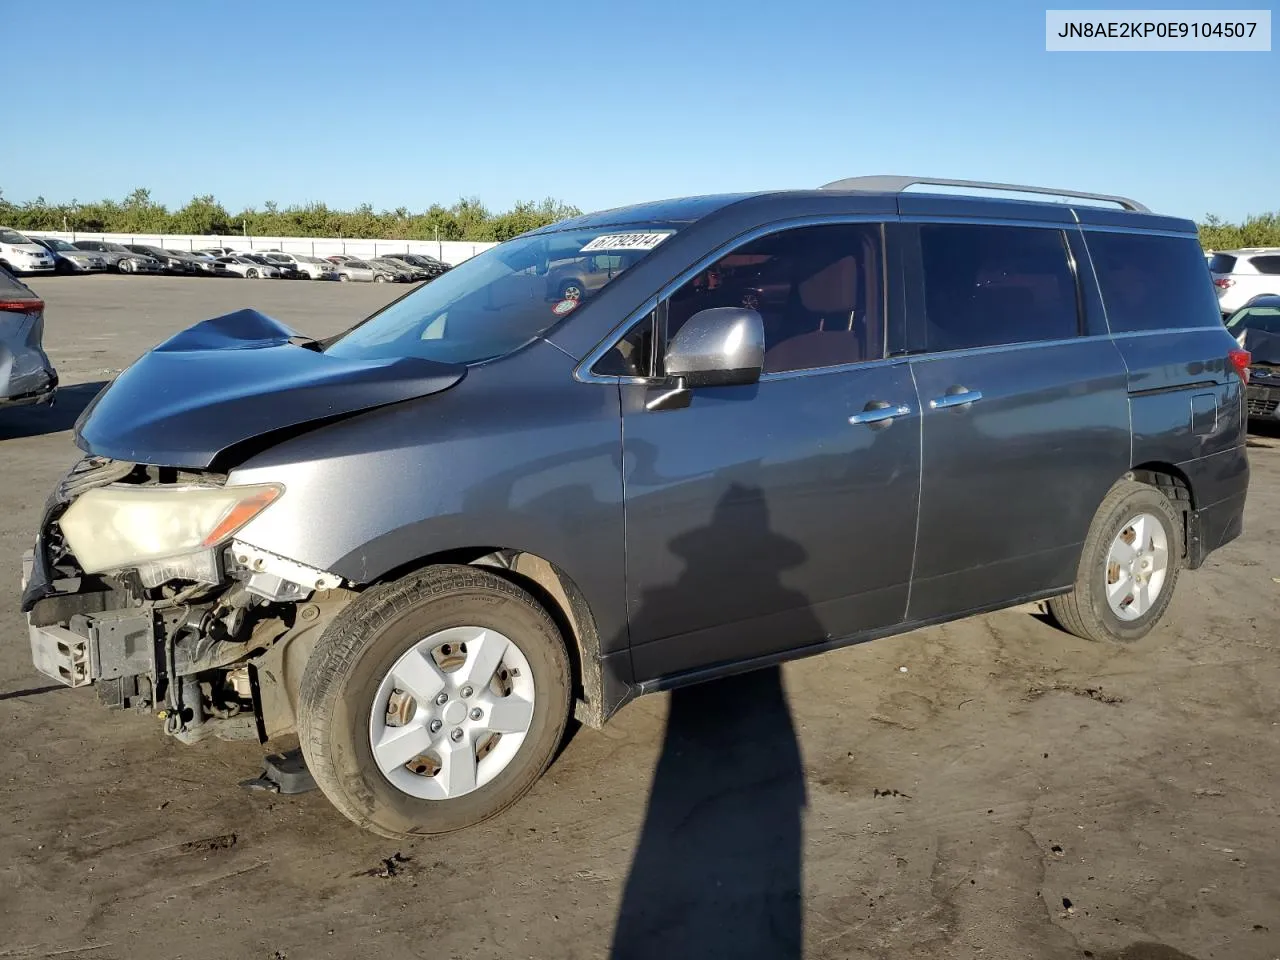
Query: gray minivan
pixel 794 421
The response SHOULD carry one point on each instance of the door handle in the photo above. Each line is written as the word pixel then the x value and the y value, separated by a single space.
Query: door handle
pixel 960 398
pixel 877 411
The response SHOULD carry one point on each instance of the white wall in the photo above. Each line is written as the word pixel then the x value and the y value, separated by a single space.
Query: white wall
pixel 450 251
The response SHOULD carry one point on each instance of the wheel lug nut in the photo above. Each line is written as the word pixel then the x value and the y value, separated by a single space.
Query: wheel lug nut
pixel 442 698
pixel 467 691
pixel 476 714
pixel 435 726
pixel 455 734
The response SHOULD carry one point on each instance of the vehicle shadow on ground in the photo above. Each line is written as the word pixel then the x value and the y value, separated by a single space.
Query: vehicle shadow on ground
pixel 1264 435
pixel 69 403
pixel 717 870
pixel 32 692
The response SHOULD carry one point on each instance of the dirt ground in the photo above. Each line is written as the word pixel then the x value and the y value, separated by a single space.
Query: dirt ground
pixel 992 788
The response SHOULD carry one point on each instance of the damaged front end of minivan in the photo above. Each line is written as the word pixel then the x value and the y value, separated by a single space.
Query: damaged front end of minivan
pixel 137 582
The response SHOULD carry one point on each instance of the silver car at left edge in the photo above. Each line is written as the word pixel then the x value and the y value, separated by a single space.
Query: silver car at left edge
pixel 26 375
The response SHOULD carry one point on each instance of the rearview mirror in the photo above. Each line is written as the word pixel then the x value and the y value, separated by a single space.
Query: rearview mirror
pixel 718 347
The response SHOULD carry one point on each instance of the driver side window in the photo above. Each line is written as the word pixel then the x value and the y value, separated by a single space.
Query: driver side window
pixel 818 290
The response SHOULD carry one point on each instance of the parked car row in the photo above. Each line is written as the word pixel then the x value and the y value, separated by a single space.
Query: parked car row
pixel 22 254
pixel 393 268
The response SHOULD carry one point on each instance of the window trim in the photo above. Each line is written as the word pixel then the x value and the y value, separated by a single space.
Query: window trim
pixel 583 371
pixel 916 252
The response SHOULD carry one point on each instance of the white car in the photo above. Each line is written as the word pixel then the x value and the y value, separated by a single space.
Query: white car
pixel 313 267
pixel 1241 275
pixel 23 255
pixel 249 269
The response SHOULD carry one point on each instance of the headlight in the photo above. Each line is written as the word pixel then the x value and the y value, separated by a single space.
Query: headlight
pixel 121 526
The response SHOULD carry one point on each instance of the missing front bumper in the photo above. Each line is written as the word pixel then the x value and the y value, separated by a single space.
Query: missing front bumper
pixel 94 643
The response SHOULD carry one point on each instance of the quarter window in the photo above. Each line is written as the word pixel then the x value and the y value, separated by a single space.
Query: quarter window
pixel 818 290
pixel 1151 282
pixel 1267 265
pixel 632 356
pixel 991 285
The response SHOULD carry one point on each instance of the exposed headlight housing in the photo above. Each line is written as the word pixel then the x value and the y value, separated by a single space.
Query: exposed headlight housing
pixel 166 532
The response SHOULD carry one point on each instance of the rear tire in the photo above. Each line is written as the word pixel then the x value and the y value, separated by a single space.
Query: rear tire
pixel 1116 599
pixel 355 668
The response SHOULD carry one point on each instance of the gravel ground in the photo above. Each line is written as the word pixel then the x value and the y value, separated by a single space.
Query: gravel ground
pixel 1013 793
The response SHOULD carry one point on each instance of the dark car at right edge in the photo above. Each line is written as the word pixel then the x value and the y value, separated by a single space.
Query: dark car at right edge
pixel 1256 327
pixel 776 424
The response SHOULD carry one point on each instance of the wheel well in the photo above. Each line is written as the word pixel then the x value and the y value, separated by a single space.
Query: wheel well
pixel 559 596
pixel 1173 483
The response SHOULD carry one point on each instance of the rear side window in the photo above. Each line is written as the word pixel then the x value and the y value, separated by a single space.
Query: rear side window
pixel 1152 283
pixel 991 285
pixel 1267 265
pixel 1222 263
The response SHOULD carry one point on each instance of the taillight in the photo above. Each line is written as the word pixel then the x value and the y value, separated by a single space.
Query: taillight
pixel 1239 360
pixel 1224 282
pixel 21 306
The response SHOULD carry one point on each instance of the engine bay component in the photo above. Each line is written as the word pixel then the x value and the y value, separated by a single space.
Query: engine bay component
pixel 278 578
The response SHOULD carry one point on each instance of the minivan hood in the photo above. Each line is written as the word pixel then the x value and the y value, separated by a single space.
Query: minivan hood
pixel 237 378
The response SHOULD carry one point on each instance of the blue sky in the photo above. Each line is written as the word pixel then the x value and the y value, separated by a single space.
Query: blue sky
pixel 412 103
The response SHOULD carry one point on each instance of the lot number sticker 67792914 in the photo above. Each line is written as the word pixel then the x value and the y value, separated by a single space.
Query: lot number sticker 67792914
pixel 625 241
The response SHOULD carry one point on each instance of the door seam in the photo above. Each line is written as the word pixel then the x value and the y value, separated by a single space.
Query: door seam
pixel 915 543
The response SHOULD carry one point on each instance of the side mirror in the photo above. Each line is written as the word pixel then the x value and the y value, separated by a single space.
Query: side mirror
pixel 719 347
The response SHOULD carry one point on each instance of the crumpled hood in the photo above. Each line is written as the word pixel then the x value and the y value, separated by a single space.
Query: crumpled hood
pixel 1263 347
pixel 235 378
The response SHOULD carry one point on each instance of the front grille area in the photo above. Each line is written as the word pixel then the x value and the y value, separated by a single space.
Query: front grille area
pixel 1263 403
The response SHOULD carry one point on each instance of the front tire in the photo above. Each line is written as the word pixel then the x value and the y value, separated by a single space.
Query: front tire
pixel 434 702
pixel 1128 568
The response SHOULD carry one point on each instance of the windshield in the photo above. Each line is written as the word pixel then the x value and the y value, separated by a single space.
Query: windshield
pixel 1266 319
pixel 11 236
pixel 55 244
pixel 500 300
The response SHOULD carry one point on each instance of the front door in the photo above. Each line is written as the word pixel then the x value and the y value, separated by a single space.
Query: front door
pixel 762 518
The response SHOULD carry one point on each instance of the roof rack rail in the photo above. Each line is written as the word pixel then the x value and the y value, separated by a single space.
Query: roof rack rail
pixel 897 184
